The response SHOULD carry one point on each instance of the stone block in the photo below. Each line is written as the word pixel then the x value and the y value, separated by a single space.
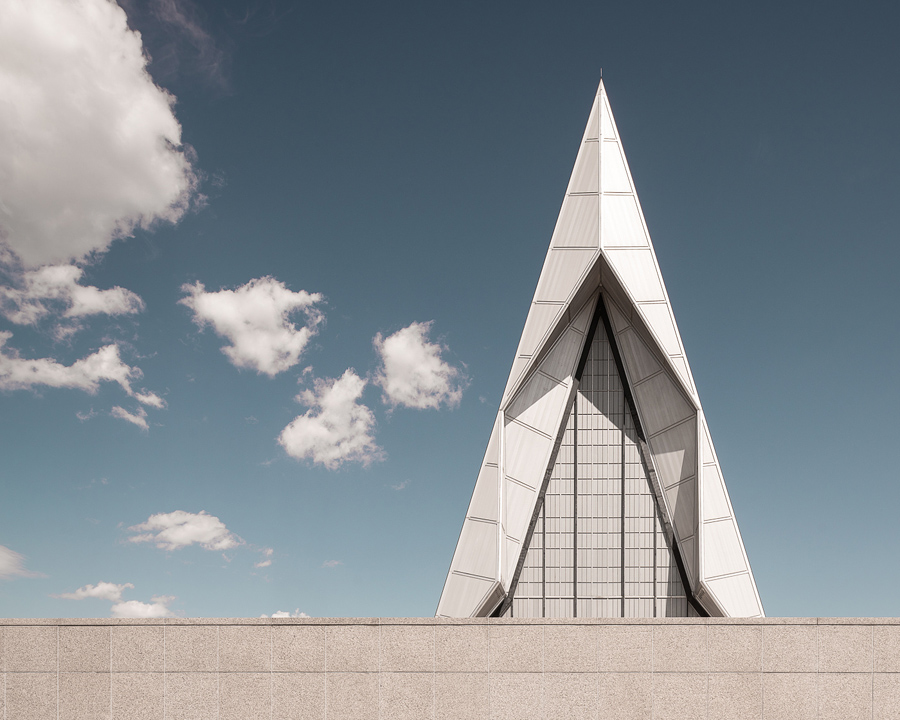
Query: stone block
pixel 461 648
pixel 298 648
pixel 84 649
pixel 845 648
pixel 31 696
pixel 244 695
pixel 191 649
pixel 407 695
pixel 845 696
pixel 191 696
pixel 352 648
pixel 886 696
pixel 570 648
pixel 137 695
pixel 137 648
pixel 735 648
pixel 680 648
pixel 789 648
pixel 84 695
pixel 30 648
pixel 734 696
pixel 245 648
pixel 625 695
pixel 516 696
pixel 789 696
pixel 624 648
pixel 407 648
pixel 461 696
pixel 571 695
pixel 352 695
pixel 515 648
pixel 679 695
pixel 887 648
pixel 298 696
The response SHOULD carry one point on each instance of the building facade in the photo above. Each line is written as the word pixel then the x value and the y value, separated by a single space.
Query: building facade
pixel 600 494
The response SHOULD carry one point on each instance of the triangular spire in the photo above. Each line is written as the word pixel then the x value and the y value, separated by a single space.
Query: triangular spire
pixel 600 266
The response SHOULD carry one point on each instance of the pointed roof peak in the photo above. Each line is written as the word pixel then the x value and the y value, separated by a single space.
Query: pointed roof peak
pixel 601 88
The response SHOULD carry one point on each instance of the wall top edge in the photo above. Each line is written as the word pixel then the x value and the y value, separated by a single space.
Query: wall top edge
pixel 66 622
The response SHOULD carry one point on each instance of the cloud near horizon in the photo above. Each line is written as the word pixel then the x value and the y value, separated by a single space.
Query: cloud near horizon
pixel 413 374
pixel 254 318
pixel 90 148
pixel 337 429
pixel 12 564
pixel 102 590
pixel 178 529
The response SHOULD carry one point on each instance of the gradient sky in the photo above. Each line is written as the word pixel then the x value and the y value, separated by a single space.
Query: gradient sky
pixel 377 183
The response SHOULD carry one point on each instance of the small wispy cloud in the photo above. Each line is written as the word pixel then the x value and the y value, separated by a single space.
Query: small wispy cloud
pixel 286 614
pixel 337 429
pixel 267 558
pixel 178 529
pixel 402 485
pixel 255 319
pixel 12 564
pixel 102 591
pixel 332 563
pixel 138 417
pixel 413 373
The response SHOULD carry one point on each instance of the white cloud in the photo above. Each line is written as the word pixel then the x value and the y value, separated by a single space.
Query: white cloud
pixel 102 590
pixel 170 531
pixel 12 564
pixel 331 563
pixel 254 318
pixel 156 608
pixel 412 372
pixel 55 289
pixel 104 365
pixel 138 418
pixel 337 428
pixel 286 614
pixel 90 148
pixel 267 558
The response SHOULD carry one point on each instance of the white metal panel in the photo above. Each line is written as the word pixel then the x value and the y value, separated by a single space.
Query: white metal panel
pixel 684 372
pixel 585 177
pixel 462 595
pixel 714 504
pixel 561 360
pixel 527 454
pixel 480 542
pixel 511 557
pixel 689 558
pixel 578 222
pixel 619 322
pixel 562 271
pixel 539 403
pixel 540 319
pixel 637 271
pixel 675 452
pixel 637 357
pixel 660 403
pixel 607 124
pixel 613 174
pixel 721 549
pixel 620 222
pixel 583 317
pixel 519 509
pixel 707 455
pixel 484 497
pixel 659 318
pixel 593 126
pixel 682 502
pixel 737 594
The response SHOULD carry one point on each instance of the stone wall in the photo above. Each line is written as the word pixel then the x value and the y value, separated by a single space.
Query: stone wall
pixel 439 669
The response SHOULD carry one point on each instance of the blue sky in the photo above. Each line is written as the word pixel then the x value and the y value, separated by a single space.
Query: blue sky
pixel 313 231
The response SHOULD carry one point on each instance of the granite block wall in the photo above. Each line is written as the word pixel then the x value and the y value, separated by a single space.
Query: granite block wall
pixel 430 669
